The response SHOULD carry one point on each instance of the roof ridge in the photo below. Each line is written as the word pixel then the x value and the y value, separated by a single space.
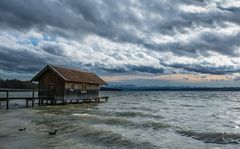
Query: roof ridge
pixel 57 71
pixel 71 69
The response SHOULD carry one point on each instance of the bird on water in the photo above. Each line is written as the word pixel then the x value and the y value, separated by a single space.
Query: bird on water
pixel 53 132
pixel 21 129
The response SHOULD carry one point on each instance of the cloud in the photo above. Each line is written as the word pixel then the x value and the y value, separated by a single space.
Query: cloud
pixel 203 69
pixel 128 36
pixel 19 61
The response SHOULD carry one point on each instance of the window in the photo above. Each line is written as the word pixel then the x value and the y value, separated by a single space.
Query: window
pixel 84 87
pixel 72 86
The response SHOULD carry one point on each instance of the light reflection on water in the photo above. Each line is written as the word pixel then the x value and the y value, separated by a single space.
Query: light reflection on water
pixel 129 120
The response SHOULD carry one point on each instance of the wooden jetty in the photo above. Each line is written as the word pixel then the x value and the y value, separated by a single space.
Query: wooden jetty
pixel 43 100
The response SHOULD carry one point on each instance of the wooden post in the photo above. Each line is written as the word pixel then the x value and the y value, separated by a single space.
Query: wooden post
pixel 39 101
pixel 33 99
pixel 26 102
pixel 7 104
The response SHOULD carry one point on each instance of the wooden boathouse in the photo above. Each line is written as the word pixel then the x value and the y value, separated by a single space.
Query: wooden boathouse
pixel 68 84
pixel 64 85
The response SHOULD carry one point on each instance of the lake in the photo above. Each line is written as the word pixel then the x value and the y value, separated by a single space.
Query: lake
pixel 157 119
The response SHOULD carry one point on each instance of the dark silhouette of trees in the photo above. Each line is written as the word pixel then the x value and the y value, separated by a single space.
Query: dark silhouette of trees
pixel 17 84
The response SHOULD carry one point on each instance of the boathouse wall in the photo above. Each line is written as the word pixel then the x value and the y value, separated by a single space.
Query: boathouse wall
pixel 51 85
pixel 68 84
pixel 76 91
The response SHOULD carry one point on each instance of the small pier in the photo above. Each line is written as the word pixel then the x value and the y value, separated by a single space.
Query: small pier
pixel 33 99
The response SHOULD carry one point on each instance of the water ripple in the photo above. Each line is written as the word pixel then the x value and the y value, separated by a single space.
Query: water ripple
pixel 213 137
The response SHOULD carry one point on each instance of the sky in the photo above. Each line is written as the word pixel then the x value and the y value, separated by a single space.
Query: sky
pixel 140 42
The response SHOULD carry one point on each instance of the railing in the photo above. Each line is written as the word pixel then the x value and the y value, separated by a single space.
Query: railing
pixel 7 97
pixel 43 96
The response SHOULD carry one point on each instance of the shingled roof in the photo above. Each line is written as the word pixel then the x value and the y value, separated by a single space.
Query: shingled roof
pixel 72 75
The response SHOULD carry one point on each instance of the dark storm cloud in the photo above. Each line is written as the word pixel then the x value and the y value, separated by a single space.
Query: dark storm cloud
pixel 53 49
pixel 25 61
pixel 202 68
pixel 134 68
pixel 103 17
pixel 20 60
pixel 124 21
pixel 237 79
pixel 206 42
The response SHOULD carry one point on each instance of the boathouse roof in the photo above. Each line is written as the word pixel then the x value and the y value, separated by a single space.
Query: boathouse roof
pixel 72 75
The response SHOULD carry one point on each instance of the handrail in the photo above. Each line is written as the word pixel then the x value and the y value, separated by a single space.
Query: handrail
pixel 21 90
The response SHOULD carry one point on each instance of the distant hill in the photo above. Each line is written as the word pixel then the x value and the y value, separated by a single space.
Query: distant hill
pixel 17 84
pixel 110 89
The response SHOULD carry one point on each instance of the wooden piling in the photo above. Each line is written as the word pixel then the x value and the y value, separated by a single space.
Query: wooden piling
pixel 33 99
pixel 7 104
pixel 39 102
pixel 26 102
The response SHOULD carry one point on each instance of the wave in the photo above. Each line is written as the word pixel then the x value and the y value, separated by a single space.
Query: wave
pixel 108 138
pixel 236 108
pixel 130 114
pixel 155 125
pixel 213 137
pixel 132 124
pixel 141 108
pixel 195 106
pixel 83 115
pixel 121 121
pixel 136 114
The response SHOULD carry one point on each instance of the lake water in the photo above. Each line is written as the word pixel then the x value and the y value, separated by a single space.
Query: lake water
pixel 170 120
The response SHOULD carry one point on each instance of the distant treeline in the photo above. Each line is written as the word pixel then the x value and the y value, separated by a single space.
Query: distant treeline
pixel 110 89
pixel 186 89
pixel 176 88
pixel 17 84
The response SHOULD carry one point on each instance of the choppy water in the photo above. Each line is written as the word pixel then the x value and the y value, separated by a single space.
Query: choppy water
pixel 145 120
